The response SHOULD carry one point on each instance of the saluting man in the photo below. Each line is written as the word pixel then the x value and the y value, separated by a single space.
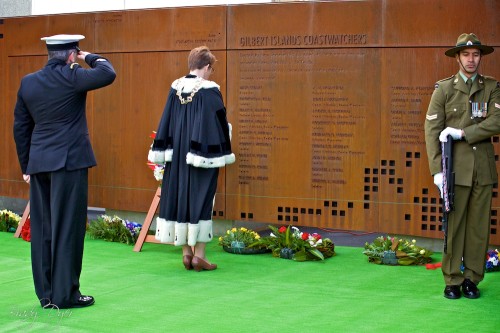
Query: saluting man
pixel 467 107
pixel 54 151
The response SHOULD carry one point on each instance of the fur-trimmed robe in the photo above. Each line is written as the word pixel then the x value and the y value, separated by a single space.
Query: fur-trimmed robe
pixel 193 139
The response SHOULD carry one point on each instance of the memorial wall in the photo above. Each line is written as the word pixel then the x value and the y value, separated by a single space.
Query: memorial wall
pixel 327 102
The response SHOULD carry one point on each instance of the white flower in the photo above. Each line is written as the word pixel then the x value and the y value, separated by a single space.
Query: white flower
pixel 422 251
pixel 413 241
pixel 158 172
pixel 272 235
pixel 10 214
pixel 296 232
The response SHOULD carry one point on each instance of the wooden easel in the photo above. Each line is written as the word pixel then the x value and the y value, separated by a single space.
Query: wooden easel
pixel 143 235
pixel 25 216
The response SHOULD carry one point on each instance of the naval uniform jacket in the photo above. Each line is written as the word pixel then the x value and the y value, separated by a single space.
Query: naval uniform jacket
pixel 50 126
pixel 451 106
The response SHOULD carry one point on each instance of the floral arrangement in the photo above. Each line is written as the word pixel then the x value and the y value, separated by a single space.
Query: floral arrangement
pixel 114 229
pixel 241 241
pixel 9 220
pixel 291 243
pixel 158 169
pixel 26 230
pixel 392 251
pixel 492 262
pixel 241 237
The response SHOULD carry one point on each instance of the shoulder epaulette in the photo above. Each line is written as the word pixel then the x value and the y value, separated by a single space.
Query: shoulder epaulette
pixel 443 80
pixel 488 78
pixel 446 79
pixel 73 65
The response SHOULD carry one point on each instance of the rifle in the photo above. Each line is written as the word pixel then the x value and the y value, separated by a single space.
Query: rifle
pixel 448 184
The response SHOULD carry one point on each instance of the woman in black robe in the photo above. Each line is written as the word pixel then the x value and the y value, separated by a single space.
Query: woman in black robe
pixel 193 141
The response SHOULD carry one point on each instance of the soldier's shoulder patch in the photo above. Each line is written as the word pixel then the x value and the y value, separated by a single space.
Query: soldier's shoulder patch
pixel 73 65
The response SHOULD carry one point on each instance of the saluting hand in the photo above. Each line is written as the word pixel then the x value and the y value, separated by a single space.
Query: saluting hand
pixel 82 54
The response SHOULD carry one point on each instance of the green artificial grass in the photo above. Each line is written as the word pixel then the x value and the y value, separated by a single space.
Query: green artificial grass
pixel 150 291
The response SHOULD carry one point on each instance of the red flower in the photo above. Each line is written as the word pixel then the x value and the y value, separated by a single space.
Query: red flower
pixel 153 135
pixel 282 229
pixel 316 236
pixel 305 236
pixel 25 230
pixel 151 165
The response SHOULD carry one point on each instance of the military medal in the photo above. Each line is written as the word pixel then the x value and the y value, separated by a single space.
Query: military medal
pixel 475 107
pixel 484 109
pixel 479 110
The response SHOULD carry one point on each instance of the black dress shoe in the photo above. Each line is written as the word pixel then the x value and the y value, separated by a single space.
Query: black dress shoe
pixel 84 301
pixel 469 289
pixel 452 292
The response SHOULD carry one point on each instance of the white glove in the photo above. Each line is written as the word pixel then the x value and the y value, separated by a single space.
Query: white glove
pixel 438 181
pixel 455 133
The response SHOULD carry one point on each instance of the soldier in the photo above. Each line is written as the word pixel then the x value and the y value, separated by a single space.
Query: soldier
pixel 467 107
pixel 54 151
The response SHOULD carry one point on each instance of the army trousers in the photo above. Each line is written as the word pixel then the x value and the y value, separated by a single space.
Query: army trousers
pixel 468 235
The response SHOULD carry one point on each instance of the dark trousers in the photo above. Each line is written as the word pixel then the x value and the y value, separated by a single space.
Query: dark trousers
pixel 58 202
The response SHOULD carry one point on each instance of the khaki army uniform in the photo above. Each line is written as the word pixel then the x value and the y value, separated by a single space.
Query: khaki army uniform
pixel 451 105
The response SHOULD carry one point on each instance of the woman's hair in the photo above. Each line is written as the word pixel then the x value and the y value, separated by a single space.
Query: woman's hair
pixel 200 57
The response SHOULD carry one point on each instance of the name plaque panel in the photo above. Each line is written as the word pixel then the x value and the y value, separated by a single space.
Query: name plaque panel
pixel 300 135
